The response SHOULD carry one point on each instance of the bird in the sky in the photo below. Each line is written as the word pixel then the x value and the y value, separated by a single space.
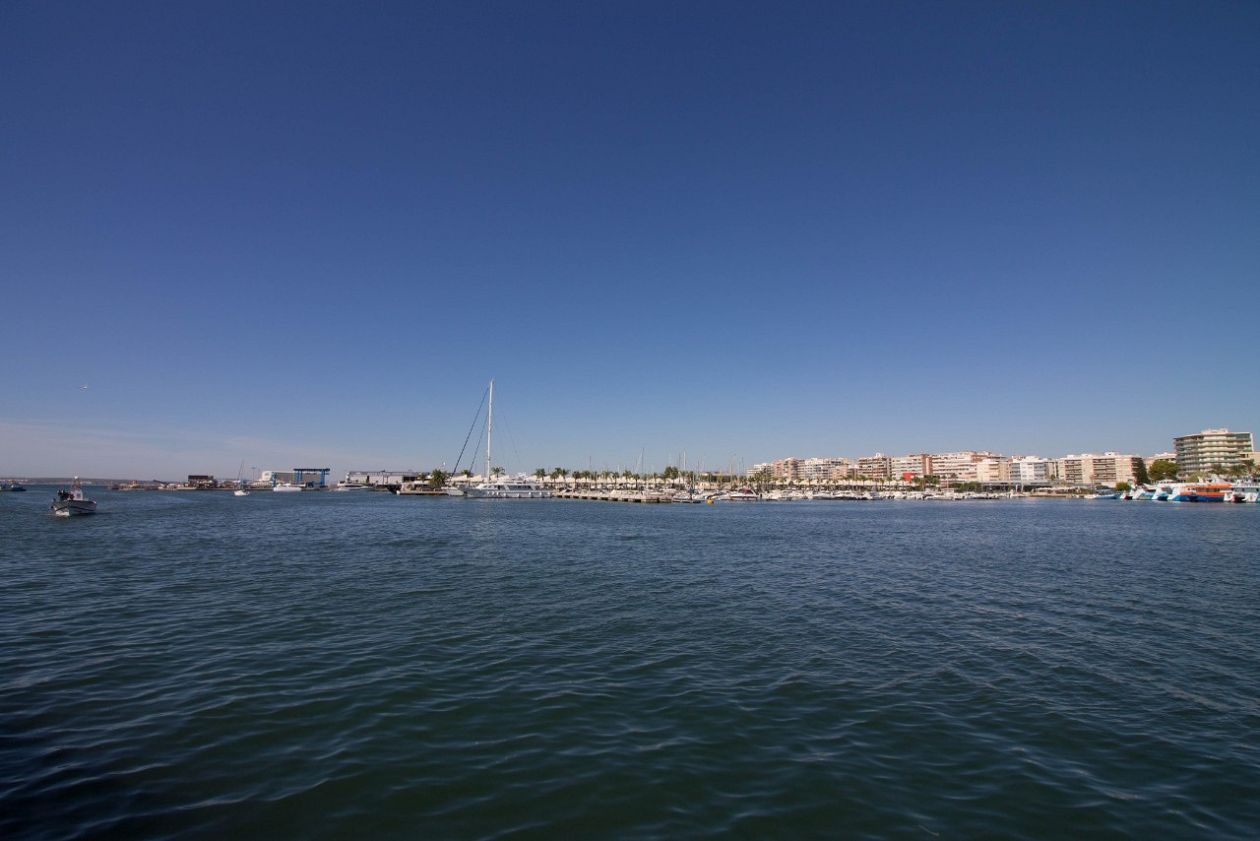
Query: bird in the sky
pixel 83 388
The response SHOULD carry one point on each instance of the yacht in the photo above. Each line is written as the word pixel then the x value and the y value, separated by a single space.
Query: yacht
pixel 741 495
pixel 507 489
pixel 72 502
pixel 499 488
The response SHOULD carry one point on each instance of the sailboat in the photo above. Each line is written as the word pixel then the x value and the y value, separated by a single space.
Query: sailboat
pixel 501 488
pixel 240 483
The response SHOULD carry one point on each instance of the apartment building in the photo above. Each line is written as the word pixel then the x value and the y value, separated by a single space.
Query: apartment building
pixel 878 466
pixel 1092 469
pixel 959 466
pixel 1077 469
pixel 826 469
pixel 1110 468
pixel 1033 470
pixel 914 466
pixel 1212 449
pixel 993 470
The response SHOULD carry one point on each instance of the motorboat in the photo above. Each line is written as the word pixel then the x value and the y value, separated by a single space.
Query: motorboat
pixel 286 487
pixel 240 492
pixel 72 502
pixel 741 495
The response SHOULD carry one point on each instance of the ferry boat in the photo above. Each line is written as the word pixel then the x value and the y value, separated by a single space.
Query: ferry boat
pixel 72 502
pixel 1200 491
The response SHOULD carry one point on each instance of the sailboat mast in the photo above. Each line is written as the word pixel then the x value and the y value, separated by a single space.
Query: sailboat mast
pixel 489 429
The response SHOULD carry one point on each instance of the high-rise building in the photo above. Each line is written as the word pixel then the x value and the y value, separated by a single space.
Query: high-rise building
pixel 1211 450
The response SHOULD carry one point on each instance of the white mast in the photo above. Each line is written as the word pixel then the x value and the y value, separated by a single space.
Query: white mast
pixel 489 430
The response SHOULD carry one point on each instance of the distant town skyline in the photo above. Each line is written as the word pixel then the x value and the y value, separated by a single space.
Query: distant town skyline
pixel 310 236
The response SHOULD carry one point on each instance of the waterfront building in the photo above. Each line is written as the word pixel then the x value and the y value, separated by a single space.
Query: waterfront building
pixel 1077 469
pixel 786 469
pixel 1033 470
pixel 826 469
pixel 312 477
pixel 1092 469
pixel 201 481
pixel 1110 468
pixel 915 466
pixel 959 466
pixel 1160 457
pixel 1212 449
pixel 382 478
pixel 878 466
pixel 993 470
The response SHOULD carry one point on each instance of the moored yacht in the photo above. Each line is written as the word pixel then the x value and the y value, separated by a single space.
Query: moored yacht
pixel 501 488
pixel 507 489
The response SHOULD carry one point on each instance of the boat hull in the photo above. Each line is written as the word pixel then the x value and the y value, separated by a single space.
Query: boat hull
pixel 73 507
pixel 505 492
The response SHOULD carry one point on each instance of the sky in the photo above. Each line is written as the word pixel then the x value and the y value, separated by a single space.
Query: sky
pixel 308 234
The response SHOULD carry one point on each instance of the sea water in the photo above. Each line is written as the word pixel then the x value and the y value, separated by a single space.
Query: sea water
pixel 362 665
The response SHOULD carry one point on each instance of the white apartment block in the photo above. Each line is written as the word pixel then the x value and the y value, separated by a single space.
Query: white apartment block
pixel 1033 470
pixel 1206 451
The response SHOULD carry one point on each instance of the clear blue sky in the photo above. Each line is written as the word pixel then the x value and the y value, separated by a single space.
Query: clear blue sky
pixel 311 232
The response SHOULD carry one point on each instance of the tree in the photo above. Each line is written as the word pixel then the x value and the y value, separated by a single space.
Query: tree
pixel 540 473
pixel 496 471
pixel 1123 486
pixel 670 473
pixel 1140 475
pixel 437 479
pixel 1162 470
pixel 762 477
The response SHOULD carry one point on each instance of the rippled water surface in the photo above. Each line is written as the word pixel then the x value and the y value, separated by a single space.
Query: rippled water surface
pixel 358 665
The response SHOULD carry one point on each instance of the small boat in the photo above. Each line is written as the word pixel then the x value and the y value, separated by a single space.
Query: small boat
pixel 741 495
pixel 287 488
pixel 72 502
pixel 240 492
pixel 16 487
